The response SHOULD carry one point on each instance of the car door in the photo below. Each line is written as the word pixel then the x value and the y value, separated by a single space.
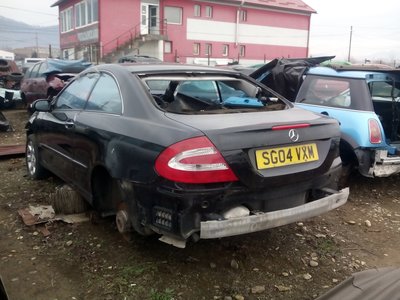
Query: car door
pixel 94 128
pixel 57 132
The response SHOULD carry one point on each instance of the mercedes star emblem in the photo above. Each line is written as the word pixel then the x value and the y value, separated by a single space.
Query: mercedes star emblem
pixel 293 135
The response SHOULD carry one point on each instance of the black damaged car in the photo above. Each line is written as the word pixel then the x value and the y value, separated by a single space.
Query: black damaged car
pixel 186 152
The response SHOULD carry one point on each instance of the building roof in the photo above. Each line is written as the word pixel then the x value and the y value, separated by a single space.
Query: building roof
pixel 293 5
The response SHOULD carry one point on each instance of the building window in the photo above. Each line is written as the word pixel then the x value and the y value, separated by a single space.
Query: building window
pixel 209 11
pixel 168 47
pixel 242 50
pixel 86 12
pixel 196 48
pixel 173 15
pixel 66 20
pixel 225 50
pixel 243 16
pixel 92 11
pixel 208 49
pixel 197 10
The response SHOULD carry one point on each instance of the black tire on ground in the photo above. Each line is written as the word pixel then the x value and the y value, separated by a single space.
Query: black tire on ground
pixel 15 76
pixel 33 166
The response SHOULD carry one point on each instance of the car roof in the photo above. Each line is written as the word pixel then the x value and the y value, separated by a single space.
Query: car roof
pixel 165 68
pixel 348 72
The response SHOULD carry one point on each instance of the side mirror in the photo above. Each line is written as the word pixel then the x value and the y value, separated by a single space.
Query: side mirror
pixel 40 105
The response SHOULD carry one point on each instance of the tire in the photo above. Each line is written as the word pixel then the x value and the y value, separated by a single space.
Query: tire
pixel 33 166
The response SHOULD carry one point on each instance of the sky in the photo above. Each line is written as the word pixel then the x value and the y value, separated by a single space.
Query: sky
pixel 375 34
pixel 32 12
pixel 375 25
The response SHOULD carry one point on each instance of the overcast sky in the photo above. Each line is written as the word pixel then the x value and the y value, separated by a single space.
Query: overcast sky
pixel 375 35
pixel 376 28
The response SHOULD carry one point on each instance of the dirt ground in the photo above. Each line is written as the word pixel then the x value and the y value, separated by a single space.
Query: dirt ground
pixel 91 261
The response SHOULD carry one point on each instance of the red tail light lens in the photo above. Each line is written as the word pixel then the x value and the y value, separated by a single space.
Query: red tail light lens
pixel 194 160
pixel 375 135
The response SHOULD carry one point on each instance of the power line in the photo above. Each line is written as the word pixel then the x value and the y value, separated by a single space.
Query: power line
pixel 28 10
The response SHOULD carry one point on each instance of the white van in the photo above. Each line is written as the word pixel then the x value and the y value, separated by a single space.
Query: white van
pixel 29 62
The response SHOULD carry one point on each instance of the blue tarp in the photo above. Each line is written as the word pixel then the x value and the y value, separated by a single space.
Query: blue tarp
pixel 55 66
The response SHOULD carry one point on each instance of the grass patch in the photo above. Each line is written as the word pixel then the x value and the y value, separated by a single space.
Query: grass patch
pixel 167 294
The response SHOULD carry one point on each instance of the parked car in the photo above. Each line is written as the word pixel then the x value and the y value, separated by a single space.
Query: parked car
pixel 365 101
pixel 139 59
pixel 46 78
pixel 376 283
pixel 10 81
pixel 164 161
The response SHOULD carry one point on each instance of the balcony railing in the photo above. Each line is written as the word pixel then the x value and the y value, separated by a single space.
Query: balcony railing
pixel 158 30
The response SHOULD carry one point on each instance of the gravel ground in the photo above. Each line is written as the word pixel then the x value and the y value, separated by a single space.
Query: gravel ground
pixel 90 260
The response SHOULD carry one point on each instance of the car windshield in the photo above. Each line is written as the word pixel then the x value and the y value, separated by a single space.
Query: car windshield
pixel 211 94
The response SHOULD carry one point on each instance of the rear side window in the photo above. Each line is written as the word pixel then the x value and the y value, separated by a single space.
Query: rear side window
pixel 34 72
pixel 335 92
pixel 74 96
pixel 42 69
pixel 384 89
pixel 105 96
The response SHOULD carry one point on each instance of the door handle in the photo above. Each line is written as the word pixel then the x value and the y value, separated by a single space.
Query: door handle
pixel 324 113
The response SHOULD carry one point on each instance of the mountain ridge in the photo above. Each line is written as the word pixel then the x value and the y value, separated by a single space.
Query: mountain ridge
pixel 15 34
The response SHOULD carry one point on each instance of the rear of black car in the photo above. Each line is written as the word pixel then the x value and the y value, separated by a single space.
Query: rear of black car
pixel 278 160
pixel 251 167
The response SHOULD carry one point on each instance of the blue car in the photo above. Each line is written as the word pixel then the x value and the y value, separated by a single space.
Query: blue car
pixel 365 101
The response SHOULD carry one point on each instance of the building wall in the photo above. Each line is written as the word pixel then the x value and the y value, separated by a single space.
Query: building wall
pixel 266 34
pixel 118 21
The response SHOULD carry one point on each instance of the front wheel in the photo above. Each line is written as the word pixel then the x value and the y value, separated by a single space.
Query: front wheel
pixel 34 168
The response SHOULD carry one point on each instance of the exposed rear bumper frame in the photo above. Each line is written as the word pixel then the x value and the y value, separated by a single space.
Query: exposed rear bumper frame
pixel 263 221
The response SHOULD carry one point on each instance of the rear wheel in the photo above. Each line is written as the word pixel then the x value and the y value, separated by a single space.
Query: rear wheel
pixel 109 198
pixel 34 168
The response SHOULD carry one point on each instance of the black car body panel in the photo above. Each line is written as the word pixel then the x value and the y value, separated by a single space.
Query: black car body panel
pixel 91 140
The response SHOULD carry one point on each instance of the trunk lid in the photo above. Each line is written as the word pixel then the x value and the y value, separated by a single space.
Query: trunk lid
pixel 247 139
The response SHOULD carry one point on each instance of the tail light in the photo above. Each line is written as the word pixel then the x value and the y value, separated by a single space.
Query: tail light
pixel 195 160
pixel 375 135
pixel 290 126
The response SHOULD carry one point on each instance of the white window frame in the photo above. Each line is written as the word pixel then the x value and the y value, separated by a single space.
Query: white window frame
pixel 209 11
pixel 225 50
pixel 243 16
pixel 66 20
pixel 242 50
pixel 177 9
pixel 167 47
pixel 208 49
pixel 197 10
pixel 196 48
pixel 85 13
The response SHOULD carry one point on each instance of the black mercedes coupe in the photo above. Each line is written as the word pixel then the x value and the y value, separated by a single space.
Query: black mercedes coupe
pixel 187 152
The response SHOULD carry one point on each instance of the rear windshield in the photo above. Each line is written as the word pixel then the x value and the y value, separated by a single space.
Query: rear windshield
pixel 211 94
pixel 335 92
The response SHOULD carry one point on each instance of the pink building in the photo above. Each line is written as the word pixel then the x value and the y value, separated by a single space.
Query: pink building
pixel 206 32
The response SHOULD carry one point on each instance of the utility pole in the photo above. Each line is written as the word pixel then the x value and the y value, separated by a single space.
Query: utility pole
pixel 37 44
pixel 351 35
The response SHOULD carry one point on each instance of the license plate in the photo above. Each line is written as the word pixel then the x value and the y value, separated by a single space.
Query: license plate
pixel 284 156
